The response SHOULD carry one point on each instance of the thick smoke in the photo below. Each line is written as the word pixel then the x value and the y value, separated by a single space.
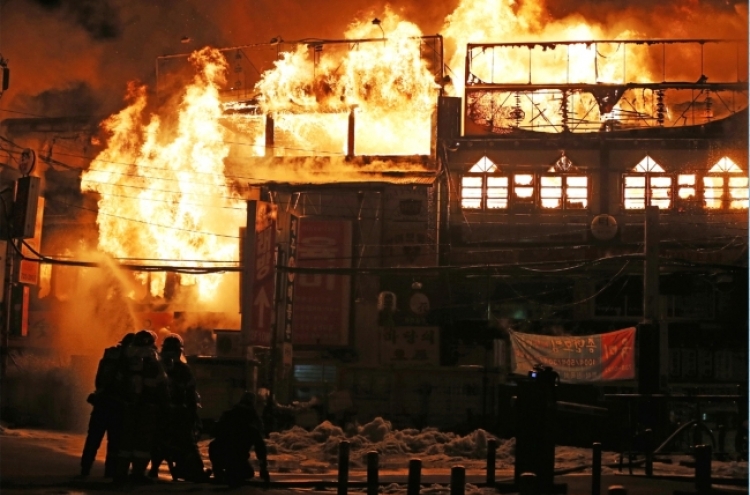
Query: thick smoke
pixel 75 99
pixel 99 18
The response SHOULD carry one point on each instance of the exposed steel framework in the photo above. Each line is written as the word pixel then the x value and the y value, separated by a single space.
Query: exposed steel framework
pixel 597 85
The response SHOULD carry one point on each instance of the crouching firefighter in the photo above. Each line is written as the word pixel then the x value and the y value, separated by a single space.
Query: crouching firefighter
pixel 144 389
pixel 237 432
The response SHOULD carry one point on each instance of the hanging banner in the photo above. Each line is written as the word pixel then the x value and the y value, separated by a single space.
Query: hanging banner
pixel 590 358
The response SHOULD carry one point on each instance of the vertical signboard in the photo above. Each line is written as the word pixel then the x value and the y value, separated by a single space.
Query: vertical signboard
pixel 258 283
pixel 321 300
pixel 291 261
pixel 28 271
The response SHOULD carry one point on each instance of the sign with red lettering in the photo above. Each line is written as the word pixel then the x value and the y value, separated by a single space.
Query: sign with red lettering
pixel 321 300
pixel 585 358
pixel 259 279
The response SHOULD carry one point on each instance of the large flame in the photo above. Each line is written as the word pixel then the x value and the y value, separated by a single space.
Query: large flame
pixel 388 85
pixel 163 193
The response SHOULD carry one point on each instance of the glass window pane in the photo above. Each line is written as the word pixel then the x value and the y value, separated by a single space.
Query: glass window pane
pixel 524 192
pixel 663 204
pixel 551 192
pixel 660 181
pixel 497 182
pixel 577 203
pixel 635 181
pixel 576 192
pixel 687 192
pixel 738 182
pixel 497 192
pixel 471 192
pixel 660 193
pixel 577 181
pixel 551 181
pixel 686 180
pixel 738 193
pixel 523 179
pixel 471 203
pixel 713 182
pixel 634 193
pixel 551 202
pixel 471 181
pixel 635 204
pixel 497 203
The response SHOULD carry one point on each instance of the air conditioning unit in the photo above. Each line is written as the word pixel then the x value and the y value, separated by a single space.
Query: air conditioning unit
pixel 228 343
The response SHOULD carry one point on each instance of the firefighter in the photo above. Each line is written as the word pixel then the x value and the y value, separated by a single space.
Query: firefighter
pixel 237 433
pixel 143 384
pixel 176 441
pixel 106 414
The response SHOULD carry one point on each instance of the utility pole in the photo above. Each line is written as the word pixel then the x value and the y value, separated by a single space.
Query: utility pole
pixel 648 336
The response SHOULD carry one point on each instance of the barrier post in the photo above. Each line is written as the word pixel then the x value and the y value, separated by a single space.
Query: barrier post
pixel 527 484
pixel 458 480
pixel 703 468
pixel 491 452
pixel 372 473
pixel 343 479
pixel 648 440
pixel 617 490
pixel 414 481
pixel 596 469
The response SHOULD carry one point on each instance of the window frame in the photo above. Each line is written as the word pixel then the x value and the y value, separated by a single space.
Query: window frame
pixel 648 193
pixel 565 199
pixel 484 196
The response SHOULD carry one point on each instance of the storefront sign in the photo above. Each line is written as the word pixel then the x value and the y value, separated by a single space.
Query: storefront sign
pixel 410 345
pixel 321 300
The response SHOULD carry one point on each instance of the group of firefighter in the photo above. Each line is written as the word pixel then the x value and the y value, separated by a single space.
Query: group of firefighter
pixel 147 404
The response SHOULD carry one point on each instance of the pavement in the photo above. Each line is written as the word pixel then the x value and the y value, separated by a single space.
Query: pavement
pixel 33 466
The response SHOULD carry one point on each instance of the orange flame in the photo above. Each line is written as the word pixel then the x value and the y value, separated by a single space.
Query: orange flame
pixel 163 194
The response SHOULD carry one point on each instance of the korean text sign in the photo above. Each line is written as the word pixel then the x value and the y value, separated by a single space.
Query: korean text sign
pixel 321 300
pixel 589 358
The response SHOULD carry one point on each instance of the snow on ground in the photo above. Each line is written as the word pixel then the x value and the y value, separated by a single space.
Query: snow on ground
pixel 316 451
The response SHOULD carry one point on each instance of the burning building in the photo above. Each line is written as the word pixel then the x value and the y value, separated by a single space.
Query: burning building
pixel 417 210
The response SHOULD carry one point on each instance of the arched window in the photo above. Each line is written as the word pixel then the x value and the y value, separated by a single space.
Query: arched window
pixel 647 185
pixel 725 186
pixel 483 188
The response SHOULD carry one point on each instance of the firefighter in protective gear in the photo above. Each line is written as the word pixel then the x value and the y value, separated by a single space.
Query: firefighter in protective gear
pixel 176 440
pixel 106 415
pixel 236 434
pixel 143 383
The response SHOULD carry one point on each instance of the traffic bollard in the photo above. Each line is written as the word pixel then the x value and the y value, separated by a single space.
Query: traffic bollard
pixel 458 480
pixel 414 481
pixel 596 469
pixel 491 452
pixel 527 484
pixel 617 490
pixel 372 473
pixel 648 440
pixel 703 468
pixel 343 480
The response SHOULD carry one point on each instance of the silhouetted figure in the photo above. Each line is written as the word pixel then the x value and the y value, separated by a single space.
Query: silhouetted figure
pixel 176 439
pixel 143 384
pixel 106 415
pixel 236 434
